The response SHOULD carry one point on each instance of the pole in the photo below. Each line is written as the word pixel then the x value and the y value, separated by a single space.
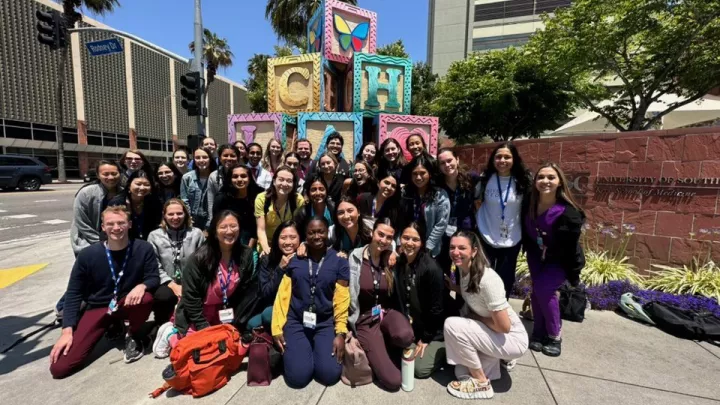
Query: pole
pixel 197 61
pixel 62 176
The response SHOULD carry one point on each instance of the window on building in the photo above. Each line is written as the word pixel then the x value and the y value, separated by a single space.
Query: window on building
pixel 123 141
pixel 18 132
pixel 109 139
pixel 43 135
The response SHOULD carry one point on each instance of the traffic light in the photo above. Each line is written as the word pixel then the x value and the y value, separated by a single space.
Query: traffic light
pixel 51 29
pixel 192 87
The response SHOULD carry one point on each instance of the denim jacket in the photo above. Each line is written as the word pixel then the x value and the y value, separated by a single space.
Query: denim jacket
pixel 437 215
pixel 196 198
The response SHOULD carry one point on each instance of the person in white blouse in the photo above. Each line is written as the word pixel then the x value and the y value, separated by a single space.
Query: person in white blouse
pixel 262 177
pixel 488 330
pixel 502 192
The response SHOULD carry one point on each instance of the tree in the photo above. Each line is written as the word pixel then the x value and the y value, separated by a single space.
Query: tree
pixel 396 49
pixel 71 17
pixel 502 94
pixel 423 80
pixel 256 83
pixel 289 18
pixel 652 47
pixel 216 53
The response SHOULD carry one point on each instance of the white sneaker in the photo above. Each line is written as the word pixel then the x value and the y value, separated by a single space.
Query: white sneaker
pixel 471 388
pixel 509 364
pixel 161 346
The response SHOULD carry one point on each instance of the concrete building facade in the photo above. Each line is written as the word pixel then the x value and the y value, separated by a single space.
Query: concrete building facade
pixel 111 103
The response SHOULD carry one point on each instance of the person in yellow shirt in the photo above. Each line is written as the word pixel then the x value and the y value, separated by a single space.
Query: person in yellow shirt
pixel 276 206
pixel 309 321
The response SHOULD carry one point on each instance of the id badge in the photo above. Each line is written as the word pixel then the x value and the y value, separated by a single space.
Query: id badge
pixel 226 315
pixel 112 307
pixel 451 227
pixel 309 319
pixel 377 312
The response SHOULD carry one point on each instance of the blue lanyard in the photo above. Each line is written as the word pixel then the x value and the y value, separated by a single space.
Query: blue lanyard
pixel 503 203
pixel 117 277
pixel 313 281
pixel 225 282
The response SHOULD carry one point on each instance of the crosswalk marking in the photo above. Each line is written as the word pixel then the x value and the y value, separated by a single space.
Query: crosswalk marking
pixel 55 222
pixel 3 210
pixel 18 216
pixel 41 201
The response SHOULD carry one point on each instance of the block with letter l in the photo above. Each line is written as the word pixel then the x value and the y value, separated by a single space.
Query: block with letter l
pixel 378 84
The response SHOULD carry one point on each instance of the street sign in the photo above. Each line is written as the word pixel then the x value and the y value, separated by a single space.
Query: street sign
pixel 104 47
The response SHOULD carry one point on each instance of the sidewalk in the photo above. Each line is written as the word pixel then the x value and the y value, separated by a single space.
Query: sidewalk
pixel 606 360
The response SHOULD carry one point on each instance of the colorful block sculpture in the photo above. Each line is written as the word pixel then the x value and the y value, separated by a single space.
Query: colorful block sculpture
pixel 302 83
pixel 401 127
pixel 378 84
pixel 318 126
pixel 337 30
pixel 260 128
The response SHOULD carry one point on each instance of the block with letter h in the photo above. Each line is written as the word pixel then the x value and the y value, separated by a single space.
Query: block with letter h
pixel 377 84
pixel 261 128
pixel 337 30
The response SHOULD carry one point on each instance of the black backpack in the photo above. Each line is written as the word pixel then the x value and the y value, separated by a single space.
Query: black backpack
pixel 573 301
pixel 684 323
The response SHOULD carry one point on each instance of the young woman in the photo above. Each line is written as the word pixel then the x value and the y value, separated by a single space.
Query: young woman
pixel 421 290
pixel 132 161
pixel 391 159
pixel 349 231
pixel 276 206
pixel 174 243
pixel 333 146
pixel 194 188
pixel 415 144
pixel 488 330
pixel 552 228
pixel 238 194
pixel 292 160
pixel 180 158
pixel 502 191
pixel 328 168
pixel 271 269
pixel 373 302
pixel 229 157
pixel 168 185
pixel 141 200
pixel 309 320
pixel 383 203
pixel 90 201
pixel 242 152
pixel 317 203
pixel 367 154
pixel 429 203
pixel 217 283
pixel 362 181
pixel 460 189
pixel 273 156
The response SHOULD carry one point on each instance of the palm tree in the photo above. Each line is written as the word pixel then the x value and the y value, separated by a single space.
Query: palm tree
pixel 72 16
pixel 289 18
pixel 216 53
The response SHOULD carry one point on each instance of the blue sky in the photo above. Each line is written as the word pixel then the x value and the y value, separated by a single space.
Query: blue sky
pixel 169 24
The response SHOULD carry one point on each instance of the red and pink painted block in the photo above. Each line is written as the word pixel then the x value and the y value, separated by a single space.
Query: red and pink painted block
pixel 401 127
pixel 261 127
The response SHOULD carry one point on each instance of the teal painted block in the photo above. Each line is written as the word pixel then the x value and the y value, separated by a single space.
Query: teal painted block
pixel 317 127
pixel 376 84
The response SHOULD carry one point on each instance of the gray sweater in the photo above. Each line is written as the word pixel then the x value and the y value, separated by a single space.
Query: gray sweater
pixel 214 184
pixel 355 259
pixel 87 207
pixel 161 240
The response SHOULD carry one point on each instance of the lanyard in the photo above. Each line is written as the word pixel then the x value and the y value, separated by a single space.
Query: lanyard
pixel 503 203
pixel 410 284
pixel 373 206
pixel 313 282
pixel 177 252
pixel 117 277
pixel 225 282
pixel 376 280
pixel 138 221
pixel 418 207
pixel 453 208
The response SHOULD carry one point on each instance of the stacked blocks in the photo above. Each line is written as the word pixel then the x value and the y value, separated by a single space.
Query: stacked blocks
pixel 400 127
pixel 318 126
pixel 261 127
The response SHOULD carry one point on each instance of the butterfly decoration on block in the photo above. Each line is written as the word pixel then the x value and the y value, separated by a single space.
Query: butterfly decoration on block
pixel 316 35
pixel 348 37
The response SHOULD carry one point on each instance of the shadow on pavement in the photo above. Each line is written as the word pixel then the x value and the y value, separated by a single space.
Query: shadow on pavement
pixel 20 337
pixel 447 374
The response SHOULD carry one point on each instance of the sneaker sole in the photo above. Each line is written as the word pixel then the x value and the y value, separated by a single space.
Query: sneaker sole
pixel 161 332
pixel 550 354
pixel 466 395
pixel 133 359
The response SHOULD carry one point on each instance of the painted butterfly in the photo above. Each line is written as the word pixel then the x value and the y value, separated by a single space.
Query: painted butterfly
pixel 354 37
pixel 316 36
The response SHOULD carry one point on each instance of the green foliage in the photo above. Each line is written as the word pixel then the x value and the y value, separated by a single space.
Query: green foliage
pixel 216 53
pixel 600 268
pixel 502 94
pixel 522 269
pixel 98 7
pixel 256 83
pixel 650 47
pixel 289 18
pixel 701 279
pixel 396 49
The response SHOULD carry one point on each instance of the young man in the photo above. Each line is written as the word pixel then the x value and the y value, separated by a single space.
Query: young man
pixel 303 147
pixel 334 145
pixel 114 279
pixel 262 177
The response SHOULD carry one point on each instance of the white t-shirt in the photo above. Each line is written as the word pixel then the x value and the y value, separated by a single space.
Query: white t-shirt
pixel 490 296
pixel 264 177
pixel 489 216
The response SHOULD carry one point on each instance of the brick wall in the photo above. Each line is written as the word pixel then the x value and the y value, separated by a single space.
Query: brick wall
pixel 669 229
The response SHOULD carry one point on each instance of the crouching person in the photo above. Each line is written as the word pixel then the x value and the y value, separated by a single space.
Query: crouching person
pixel 488 330
pixel 113 278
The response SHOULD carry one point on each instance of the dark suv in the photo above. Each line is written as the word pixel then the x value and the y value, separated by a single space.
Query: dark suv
pixel 24 172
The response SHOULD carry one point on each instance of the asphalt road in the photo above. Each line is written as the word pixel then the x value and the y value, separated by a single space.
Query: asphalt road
pixel 28 214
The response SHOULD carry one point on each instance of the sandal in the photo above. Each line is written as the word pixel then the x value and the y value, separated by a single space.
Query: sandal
pixel 471 388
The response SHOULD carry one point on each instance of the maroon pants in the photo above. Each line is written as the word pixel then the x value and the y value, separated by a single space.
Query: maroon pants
pixel 91 328
pixel 372 335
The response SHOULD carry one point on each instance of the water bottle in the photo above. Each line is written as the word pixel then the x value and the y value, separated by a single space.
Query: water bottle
pixel 408 369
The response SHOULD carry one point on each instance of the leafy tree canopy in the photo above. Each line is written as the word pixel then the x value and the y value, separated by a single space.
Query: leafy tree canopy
pixel 256 83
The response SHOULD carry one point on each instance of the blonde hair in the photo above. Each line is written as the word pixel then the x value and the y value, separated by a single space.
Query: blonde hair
pixel 267 158
pixel 115 209
pixel 563 191
pixel 186 211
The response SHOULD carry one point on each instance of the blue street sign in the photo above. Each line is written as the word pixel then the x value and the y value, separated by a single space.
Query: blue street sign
pixel 104 47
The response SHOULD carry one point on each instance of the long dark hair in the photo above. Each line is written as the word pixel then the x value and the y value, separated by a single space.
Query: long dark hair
pixel 389 278
pixel 562 193
pixel 145 162
pixel 477 264
pixel 241 159
pixel 383 164
pixel 212 164
pixel 359 157
pixel 364 234
pixel 275 253
pixel 225 147
pixel 272 192
pixel 419 227
pixel 371 182
pixel 429 165
pixel 103 162
pixel 518 171
pixel 207 257
pixel 317 177
pixel 175 186
pixel 140 174
pixel 228 189
pixel 391 206
pixel 464 180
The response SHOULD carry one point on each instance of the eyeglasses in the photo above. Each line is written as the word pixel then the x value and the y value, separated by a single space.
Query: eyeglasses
pixel 129 159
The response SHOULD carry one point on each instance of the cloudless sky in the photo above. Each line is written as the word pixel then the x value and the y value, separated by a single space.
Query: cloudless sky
pixel 169 24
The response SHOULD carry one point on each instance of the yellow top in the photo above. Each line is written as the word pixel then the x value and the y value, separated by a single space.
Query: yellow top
pixel 274 217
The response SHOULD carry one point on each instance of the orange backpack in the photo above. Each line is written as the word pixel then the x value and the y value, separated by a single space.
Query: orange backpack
pixel 202 362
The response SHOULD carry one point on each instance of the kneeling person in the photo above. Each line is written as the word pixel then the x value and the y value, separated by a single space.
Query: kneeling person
pixel 114 278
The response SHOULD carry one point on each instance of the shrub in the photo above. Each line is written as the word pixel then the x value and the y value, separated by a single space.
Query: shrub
pixel 521 269
pixel 601 268
pixel 695 279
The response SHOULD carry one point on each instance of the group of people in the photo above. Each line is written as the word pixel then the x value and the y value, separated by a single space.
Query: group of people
pixel 404 255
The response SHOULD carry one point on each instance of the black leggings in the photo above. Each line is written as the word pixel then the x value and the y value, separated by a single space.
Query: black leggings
pixel 504 262
pixel 164 301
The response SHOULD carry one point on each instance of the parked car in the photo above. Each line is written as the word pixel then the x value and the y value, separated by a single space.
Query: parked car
pixel 24 172
pixel 90 176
